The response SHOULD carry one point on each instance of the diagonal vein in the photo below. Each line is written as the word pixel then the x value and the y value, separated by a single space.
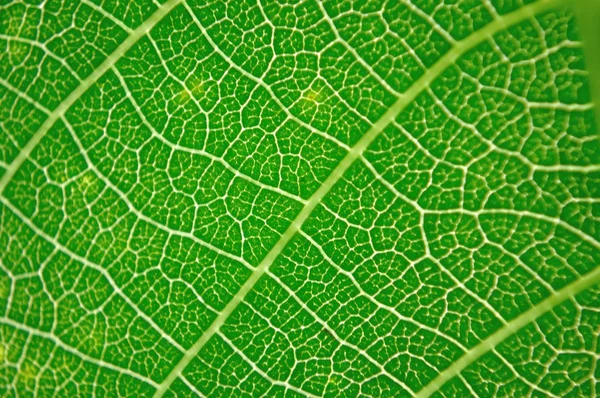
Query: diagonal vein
pixel 512 327
pixel 354 153
pixel 85 84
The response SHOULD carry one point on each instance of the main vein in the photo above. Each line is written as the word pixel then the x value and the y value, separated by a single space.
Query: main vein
pixel 354 153
pixel 85 84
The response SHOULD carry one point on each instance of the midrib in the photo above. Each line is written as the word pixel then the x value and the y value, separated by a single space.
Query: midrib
pixel 85 84
pixel 355 152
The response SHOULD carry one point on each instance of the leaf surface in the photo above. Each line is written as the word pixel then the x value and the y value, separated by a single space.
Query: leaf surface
pixel 312 198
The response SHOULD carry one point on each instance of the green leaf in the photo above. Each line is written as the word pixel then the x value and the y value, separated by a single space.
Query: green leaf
pixel 313 198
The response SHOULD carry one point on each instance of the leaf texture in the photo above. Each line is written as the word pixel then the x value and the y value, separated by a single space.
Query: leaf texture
pixel 297 198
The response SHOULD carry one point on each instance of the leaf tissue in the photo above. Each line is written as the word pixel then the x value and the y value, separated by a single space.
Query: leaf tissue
pixel 299 198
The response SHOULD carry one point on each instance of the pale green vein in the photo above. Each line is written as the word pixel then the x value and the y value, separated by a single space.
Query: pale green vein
pixel 83 87
pixel 354 153
pixel 513 326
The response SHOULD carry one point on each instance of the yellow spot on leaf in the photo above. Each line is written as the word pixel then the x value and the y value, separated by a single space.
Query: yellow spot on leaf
pixel 197 87
pixel 335 380
pixel 86 182
pixel 193 87
pixel 312 95
pixel 28 371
